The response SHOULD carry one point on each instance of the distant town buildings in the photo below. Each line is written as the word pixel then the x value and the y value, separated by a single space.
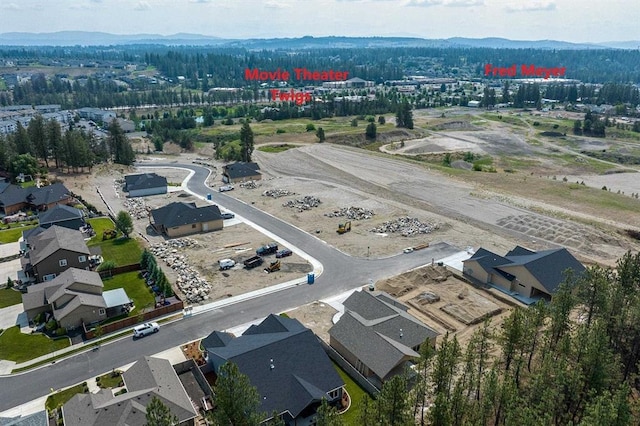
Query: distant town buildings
pixel 11 115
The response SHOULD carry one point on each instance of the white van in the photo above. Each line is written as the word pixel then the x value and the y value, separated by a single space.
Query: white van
pixel 226 264
pixel 144 329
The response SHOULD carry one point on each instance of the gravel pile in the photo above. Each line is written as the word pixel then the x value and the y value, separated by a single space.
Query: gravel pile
pixel 305 203
pixel 195 288
pixel 277 193
pixel 249 185
pixel 136 208
pixel 353 213
pixel 406 226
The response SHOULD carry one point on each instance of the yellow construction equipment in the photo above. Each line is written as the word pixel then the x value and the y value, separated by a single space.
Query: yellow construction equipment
pixel 273 266
pixel 344 227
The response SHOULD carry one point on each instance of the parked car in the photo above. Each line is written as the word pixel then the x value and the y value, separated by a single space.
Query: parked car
pixel 226 264
pixel 145 329
pixel 225 188
pixel 228 215
pixel 284 253
pixel 268 249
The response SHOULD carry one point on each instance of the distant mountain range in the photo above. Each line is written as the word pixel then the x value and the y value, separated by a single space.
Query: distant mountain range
pixel 85 38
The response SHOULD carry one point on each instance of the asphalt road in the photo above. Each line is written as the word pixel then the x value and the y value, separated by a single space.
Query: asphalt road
pixel 341 273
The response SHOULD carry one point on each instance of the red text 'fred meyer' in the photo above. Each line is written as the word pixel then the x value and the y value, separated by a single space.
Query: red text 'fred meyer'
pixel 525 71
pixel 301 74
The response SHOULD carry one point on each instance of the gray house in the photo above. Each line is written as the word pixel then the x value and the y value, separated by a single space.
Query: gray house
pixel 145 184
pixel 147 378
pixel 378 336
pixel 178 219
pixel 285 362
pixel 62 215
pixel 53 251
pixel 241 172
pixel 523 271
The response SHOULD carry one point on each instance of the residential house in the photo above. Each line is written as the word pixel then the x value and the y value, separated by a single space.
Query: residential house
pixel 62 215
pixel 145 184
pixel 147 378
pixel 38 418
pixel 73 297
pixel 15 198
pixel 378 336
pixel 178 219
pixel 97 114
pixel 522 271
pixel 240 172
pixel 53 251
pixel 285 362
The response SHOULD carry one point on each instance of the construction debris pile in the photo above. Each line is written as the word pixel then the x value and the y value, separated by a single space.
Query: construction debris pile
pixel 249 185
pixel 406 226
pixel 305 203
pixel 352 213
pixel 277 193
pixel 195 288
pixel 136 208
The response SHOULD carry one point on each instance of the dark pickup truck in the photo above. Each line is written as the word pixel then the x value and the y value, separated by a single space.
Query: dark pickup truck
pixel 268 249
pixel 252 262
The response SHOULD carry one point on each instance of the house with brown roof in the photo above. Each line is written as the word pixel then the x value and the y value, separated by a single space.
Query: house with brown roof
pixel 149 377
pixel 52 251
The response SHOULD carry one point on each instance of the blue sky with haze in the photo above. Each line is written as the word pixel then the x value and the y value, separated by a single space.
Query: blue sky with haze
pixel 567 20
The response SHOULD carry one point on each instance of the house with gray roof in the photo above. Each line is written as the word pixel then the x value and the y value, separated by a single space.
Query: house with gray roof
pixel 38 418
pixel 378 336
pixel 178 219
pixel 142 185
pixel 285 362
pixel 147 378
pixel 522 271
pixel 15 198
pixel 241 172
pixel 53 251
pixel 62 215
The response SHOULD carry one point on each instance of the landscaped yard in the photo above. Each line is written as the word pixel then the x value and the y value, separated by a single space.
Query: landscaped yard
pixel 135 287
pixel 109 380
pixel 123 251
pixel 60 398
pixel 352 416
pixel 18 347
pixel 9 297
pixel 14 233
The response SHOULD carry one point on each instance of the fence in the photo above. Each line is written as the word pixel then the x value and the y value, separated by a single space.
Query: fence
pixel 349 369
pixel 128 322
pixel 108 273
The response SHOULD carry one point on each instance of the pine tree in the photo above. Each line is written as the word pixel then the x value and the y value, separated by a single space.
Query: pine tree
pixel 328 415
pixel 159 414
pixel 236 400
pixel 246 141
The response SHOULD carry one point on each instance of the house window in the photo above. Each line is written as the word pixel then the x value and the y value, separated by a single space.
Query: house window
pixel 48 277
pixel 82 259
pixel 62 262
pixel 101 312
pixel 334 394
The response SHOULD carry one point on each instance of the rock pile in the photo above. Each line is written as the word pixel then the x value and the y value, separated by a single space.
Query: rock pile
pixel 406 226
pixel 305 203
pixel 353 213
pixel 136 208
pixel 195 288
pixel 249 185
pixel 277 193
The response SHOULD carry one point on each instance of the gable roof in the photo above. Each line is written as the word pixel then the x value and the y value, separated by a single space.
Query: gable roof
pixel 49 291
pixel 35 419
pixel 241 170
pixel 59 213
pixel 47 242
pixel 180 213
pixel 144 181
pixel 546 266
pixel 379 333
pixel 47 194
pixel 147 378
pixel 13 195
pixel 283 360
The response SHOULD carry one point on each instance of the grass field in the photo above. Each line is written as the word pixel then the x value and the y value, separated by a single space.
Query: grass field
pixel 9 297
pixel 123 251
pixel 135 287
pixel 14 233
pixel 18 347
pixel 275 148
pixel 60 398
pixel 352 416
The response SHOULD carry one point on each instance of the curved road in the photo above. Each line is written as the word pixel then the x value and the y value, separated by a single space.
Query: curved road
pixel 341 273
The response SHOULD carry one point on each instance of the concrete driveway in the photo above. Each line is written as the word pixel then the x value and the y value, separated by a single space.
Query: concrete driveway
pixel 13 315
pixel 9 270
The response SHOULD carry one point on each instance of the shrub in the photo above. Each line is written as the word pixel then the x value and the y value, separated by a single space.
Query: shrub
pixel 477 167
pixel 61 331
pixel 51 325
pixel 310 127
pixel 281 131
pixel 39 319
pixel 107 265
pixel 354 122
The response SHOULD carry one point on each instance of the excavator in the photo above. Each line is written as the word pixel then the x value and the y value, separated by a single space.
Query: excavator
pixel 273 266
pixel 344 227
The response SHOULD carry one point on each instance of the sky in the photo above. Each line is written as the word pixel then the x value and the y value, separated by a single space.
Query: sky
pixel 566 20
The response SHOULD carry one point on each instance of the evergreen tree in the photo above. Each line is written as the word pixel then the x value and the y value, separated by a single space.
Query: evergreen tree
pixel 328 415
pixel 320 134
pixel 236 400
pixel 38 138
pixel 371 131
pixel 159 414
pixel 54 138
pixel 119 145
pixel 246 141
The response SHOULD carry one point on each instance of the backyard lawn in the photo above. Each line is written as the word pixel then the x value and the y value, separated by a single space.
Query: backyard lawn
pixel 135 287
pixel 60 398
pixel 19 347
pixel 14 233
pixel 352 416
pixel 9 297
pixel 123 251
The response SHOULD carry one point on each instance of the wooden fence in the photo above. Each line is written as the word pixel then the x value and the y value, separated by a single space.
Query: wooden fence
pixel 119 270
